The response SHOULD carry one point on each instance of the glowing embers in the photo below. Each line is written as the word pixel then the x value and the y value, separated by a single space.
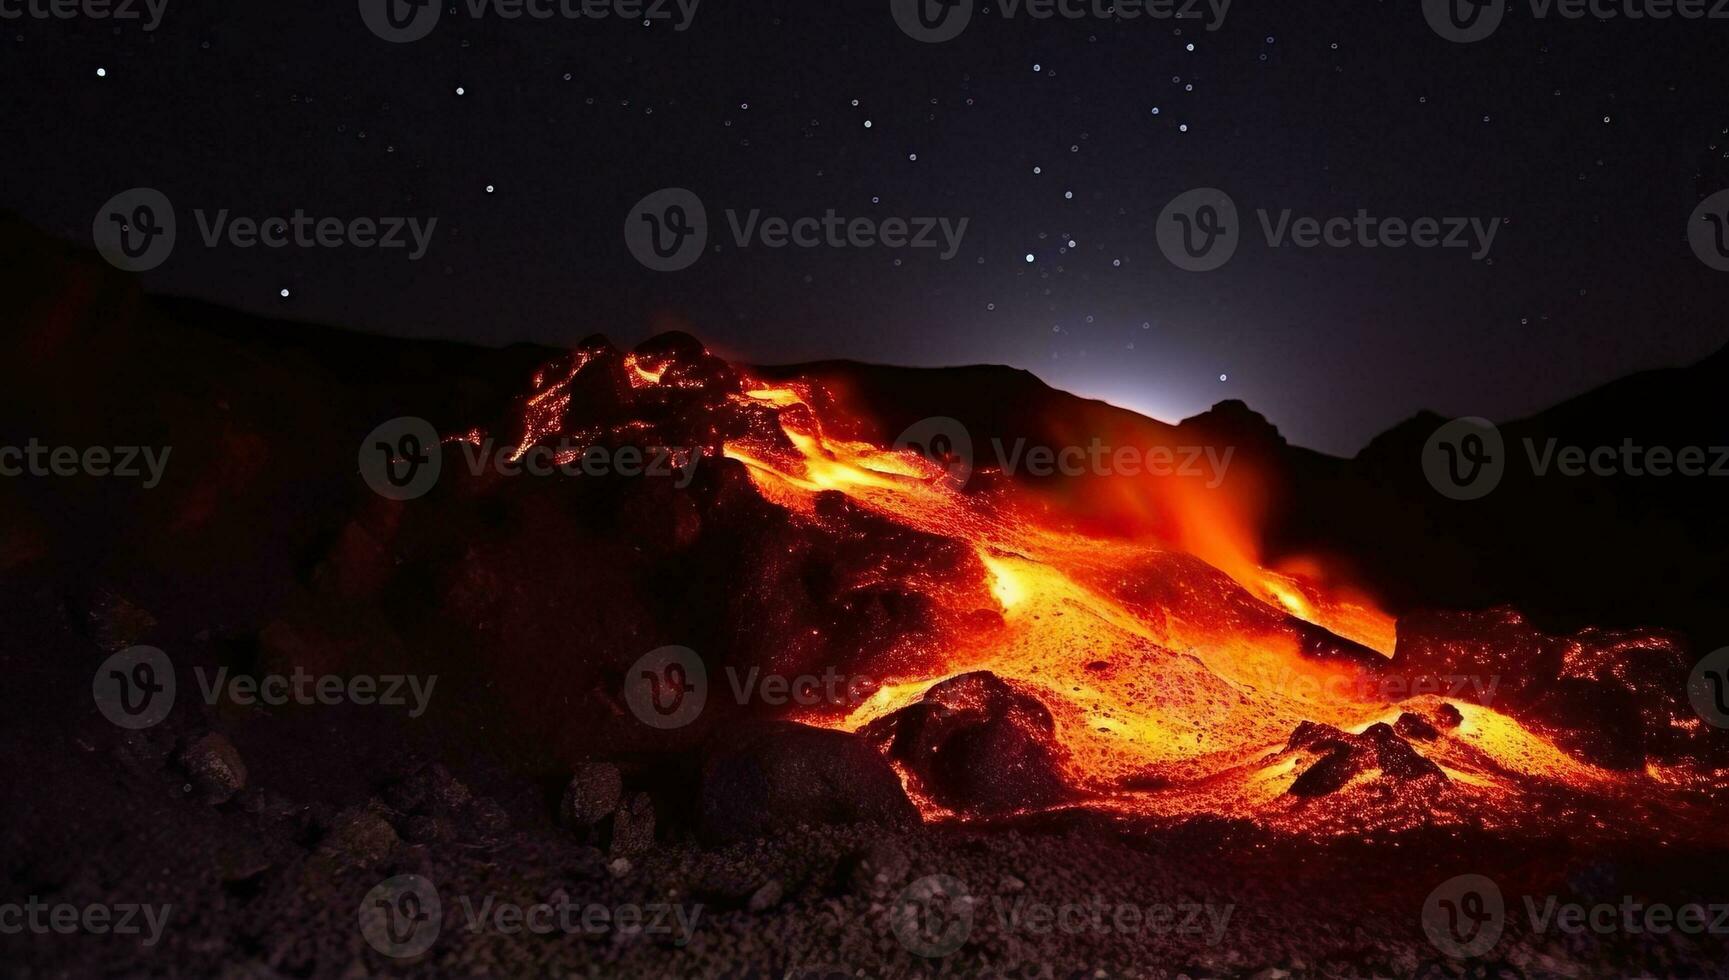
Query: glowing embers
pixel 643 373
pixel 543 414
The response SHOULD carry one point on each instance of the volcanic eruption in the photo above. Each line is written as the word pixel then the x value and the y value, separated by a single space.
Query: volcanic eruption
pixel 1121 646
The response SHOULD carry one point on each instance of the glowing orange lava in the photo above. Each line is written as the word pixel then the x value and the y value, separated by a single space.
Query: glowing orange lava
pixel 1183 676
pixel 1174 691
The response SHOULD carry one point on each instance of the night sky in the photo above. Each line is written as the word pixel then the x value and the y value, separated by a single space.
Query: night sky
pixel 1062 140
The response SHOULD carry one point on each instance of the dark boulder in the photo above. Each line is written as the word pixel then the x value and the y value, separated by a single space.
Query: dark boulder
pixel 1396 757
pixel 1416 728
pixel 360 836
pixel 591 795
pixel 1614 697
pixel 215 768
pixel 632 828
pixel 978 745
pixel 1344 756
pixel 768 777
pixel 877 868
pixel 1330 774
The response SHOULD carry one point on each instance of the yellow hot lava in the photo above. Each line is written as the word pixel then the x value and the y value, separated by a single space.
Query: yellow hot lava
pixel 1174 688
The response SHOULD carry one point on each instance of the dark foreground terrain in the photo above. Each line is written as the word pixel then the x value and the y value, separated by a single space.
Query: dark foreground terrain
pixel 266 872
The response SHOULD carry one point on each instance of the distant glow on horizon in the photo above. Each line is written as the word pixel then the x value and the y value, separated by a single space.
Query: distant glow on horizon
pixel 1160 407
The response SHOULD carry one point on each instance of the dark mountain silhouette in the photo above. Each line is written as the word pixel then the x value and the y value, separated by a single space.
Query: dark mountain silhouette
pixel 263 416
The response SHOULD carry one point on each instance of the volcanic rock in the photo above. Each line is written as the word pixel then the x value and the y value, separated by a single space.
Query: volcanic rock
pixel 425 829
pixel 485 819
pixel 447 791
pixel 265 804
pixel 1416 728
pixel 144 751
pixel 429 789
pixel 766 897
pixel 1313 733
pixel 215 767
pixel 632 827
pixel 842 593
pixel 1346 756
pixel 1330 774
pixel 1499 654
pixel 977 744
pixel 361 835
pixel 586 864
pixel 771 776
pixel 409 794
pixel 592 794
pixel 661 519
pixel 1615 697
pixel 115 622
pixel 1395 757
pixel 877 868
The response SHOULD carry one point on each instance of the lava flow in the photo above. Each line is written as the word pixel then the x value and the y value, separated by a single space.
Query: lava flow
pixel 1168 675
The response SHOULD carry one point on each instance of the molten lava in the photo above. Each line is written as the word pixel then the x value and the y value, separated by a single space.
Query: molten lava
pixel 1180 676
